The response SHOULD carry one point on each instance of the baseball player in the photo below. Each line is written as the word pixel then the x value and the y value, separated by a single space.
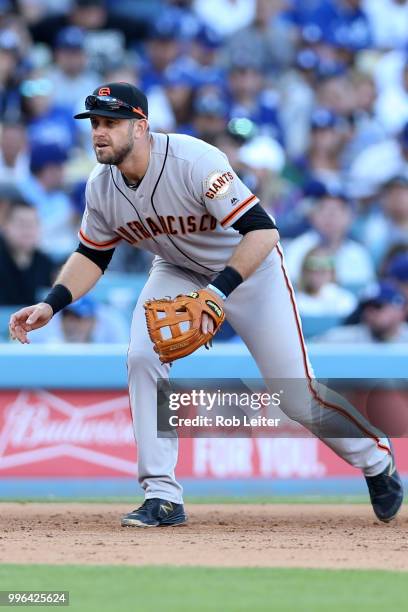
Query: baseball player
pixel 178 197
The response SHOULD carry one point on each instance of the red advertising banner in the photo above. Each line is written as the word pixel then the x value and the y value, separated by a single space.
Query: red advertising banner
pixel 90 434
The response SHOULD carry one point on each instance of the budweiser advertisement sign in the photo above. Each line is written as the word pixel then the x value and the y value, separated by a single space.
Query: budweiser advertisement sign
pixel 90 434
pixel 66 434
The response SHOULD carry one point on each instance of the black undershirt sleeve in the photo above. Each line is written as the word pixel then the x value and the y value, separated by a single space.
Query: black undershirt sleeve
pixel 100 258
pixel 256 218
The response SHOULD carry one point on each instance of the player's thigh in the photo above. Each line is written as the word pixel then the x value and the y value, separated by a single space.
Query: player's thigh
pixel 165 280
pixel 263 312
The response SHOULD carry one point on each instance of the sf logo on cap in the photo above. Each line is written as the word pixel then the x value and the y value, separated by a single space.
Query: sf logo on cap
pixel 104 91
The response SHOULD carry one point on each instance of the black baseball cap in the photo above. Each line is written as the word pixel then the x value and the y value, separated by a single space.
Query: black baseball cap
pixel 116 100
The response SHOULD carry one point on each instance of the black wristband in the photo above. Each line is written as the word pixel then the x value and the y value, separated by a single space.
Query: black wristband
pixel 227 280
pixel 58 298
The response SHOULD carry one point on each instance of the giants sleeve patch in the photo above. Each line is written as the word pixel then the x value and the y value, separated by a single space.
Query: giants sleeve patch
pixel 218 184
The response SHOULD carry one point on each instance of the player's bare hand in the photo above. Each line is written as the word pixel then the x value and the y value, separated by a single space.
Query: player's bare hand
pixel 207 324
pixel 29 318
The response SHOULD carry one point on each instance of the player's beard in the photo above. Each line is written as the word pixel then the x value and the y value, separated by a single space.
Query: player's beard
pixel 117 156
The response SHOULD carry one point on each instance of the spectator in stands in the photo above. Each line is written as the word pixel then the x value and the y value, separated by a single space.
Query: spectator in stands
pixel 167 75
pixel 205 53
pixel 14 157
pixel 269 38
pixel 226 16
pixel 397 270
pixel 178 87
pixel 230 143
pixel 372 168
pixel 397 249
pixel 162 50
pixel 209 117
pixel 403 144
pixel 24 270
pixel 71 78
pixel 322 162
pixel 297 100
pixel 47 122
pixel 10 75
pixel 92 16
pixel 330 216
pixel 78 200
pixel 318 293
pixel 45 191
pixel 388 21
pixel 32 12
pixel 392 101
pixel 389 224
pixel 262 160
pixel 128 72
pixel 334 90
pixel 368 129
pixel 85 321
pixel 249 97
pixel 342 24
pixel 8 195
pixel 383 311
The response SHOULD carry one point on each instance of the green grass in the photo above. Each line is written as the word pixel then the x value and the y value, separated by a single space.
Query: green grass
pixel 276 499
pixel 140 589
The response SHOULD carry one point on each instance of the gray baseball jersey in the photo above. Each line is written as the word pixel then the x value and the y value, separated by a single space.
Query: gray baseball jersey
pixel 182 210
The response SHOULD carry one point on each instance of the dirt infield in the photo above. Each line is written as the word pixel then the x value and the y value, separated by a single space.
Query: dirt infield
pixel 335 536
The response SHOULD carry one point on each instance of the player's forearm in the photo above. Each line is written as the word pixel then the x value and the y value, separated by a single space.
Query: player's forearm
pixel 252 250
pixel 79 274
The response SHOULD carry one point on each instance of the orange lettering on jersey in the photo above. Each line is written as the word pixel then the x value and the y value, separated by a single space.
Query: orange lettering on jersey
pixel 126 235
pixel 203 228
pixel 136 231
pixel 191 224
pixel 145 233
pixel 218 184
pixel 131 225
pixel 153 226
pixel 211 193
pixel 170 221
pixel 104 91
pixel 163 224
pixel 181 221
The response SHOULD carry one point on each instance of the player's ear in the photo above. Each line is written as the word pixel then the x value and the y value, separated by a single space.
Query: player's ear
pixel 140 128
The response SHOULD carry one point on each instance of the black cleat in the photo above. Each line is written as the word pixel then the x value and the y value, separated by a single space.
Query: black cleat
pixel 386 493
pixel 155 512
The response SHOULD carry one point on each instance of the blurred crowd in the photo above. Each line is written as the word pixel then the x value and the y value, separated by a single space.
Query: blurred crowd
pixel 308 98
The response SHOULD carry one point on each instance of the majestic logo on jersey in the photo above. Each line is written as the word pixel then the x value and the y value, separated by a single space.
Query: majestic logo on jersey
pixel 135 231
pixel 218 184
pixel 104 91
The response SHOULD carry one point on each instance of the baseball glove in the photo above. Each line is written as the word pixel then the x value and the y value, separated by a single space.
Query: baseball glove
pixel 182 315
